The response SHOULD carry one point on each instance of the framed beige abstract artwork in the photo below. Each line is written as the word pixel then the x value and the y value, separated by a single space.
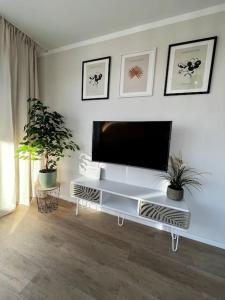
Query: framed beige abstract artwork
pixel 189 67
pixel 137 74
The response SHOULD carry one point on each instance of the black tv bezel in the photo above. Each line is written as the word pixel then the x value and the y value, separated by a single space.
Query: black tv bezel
pixel 135 166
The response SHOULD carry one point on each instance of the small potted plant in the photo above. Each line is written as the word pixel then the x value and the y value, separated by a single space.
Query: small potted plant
pixel 47 138
pixel 180 176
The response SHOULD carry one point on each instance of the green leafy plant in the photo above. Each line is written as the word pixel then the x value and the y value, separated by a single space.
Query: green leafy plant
pixel 179 175
pixel 45 136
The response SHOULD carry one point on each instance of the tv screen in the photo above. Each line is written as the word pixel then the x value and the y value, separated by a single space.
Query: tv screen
pixel 139 144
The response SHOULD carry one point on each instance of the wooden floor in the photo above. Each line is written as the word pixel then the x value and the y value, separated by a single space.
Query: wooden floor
pixel 60 256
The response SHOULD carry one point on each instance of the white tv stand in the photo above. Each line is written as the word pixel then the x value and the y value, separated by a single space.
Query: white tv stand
pixel 139 204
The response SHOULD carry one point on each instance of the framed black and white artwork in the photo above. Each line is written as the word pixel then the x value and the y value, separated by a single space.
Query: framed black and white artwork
pixel 137 74
pixel 190 67
pixel 95 78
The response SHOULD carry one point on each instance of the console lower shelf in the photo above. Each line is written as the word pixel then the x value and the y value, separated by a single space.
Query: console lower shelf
pixel 140 204
pixel 120 204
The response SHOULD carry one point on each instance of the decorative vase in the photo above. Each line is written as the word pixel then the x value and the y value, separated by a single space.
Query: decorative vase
pixel 47 179
pixel 173 194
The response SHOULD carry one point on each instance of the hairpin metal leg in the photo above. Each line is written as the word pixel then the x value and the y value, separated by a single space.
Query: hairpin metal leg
pixel 175 241
pixel 77 207
pixel 120 221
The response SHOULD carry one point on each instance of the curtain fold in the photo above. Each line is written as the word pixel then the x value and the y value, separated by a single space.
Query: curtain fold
pixel 18 82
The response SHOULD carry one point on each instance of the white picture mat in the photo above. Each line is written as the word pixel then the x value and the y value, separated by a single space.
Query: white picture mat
pixel 104 95
pixel 210 44
pixel 150 75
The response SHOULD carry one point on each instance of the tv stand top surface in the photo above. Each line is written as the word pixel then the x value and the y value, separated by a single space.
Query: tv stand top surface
pixel 132 191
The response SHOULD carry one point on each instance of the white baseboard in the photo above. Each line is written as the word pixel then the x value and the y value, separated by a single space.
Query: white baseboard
pixel 6 212
pixel 203 240
pixel 67 198
pixel 180 232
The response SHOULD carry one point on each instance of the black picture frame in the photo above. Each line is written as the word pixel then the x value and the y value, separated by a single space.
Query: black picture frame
pixel 108 81
pixel 207 91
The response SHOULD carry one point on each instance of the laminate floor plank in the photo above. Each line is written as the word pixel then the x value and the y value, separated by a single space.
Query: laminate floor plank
pixel 61 256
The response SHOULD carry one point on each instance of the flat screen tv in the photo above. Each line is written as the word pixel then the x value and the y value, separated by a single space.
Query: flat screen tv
pixel 139 144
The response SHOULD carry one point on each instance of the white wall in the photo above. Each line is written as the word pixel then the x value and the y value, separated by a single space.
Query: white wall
pixel 198 120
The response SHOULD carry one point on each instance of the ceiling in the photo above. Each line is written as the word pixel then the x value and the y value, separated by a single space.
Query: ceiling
pixel 56 23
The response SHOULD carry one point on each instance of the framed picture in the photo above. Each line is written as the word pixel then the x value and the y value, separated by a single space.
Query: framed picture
pixel 137 74
pixel 189 67
pixel 95 78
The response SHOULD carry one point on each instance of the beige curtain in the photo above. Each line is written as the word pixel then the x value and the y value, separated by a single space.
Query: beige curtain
pixel 18 82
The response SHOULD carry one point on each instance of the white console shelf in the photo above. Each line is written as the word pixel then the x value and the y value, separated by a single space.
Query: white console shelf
pixel 139 204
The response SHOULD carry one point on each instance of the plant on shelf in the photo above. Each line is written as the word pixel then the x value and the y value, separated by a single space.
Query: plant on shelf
pixel 47 138
pixel 180 176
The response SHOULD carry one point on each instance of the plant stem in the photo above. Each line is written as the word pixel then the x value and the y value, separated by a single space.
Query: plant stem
pixel 46 161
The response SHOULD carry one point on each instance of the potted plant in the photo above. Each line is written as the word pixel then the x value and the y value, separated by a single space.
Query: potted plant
pixel 180 176
pixel 47 138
